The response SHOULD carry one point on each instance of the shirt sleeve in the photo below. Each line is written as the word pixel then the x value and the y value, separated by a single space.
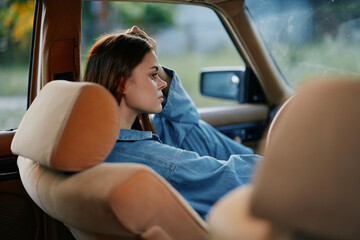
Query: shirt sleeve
pixel 178 106
pixel 179 125
pixel 179 114
pixel 207 141
pixel 204 180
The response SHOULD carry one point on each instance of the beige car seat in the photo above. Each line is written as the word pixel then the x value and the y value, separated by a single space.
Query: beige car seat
pixel 308 184
pixel 62 141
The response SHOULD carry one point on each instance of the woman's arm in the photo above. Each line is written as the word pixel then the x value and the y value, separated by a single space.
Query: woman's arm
pixel 178 106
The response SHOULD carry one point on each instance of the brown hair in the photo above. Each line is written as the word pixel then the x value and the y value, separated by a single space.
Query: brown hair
pixel 111 61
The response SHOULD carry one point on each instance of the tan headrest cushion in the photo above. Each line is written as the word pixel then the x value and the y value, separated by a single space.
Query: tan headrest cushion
pixel 230 218
pixel 70 126
pixel 274 123
pixel 309 179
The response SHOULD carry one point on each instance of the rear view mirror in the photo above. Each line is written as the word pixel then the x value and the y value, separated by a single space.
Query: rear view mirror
pixel 233 83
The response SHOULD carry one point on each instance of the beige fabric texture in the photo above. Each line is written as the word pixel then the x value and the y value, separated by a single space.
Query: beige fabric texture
pixel 309 179
pixel 119 200
pixel 275 122
pixel 69 126
pixel 230 218
pixel 73 127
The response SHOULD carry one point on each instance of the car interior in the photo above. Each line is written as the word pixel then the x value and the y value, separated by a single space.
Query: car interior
pixel 301 190
pixel 55 185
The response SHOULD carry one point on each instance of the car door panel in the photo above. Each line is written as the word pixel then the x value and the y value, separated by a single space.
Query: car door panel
pixel 17 209
pixel 234 114
pixel 8 168
pixel 20 217
pixel 247 122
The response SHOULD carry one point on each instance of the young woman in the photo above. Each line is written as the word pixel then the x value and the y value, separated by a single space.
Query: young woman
pixel 126 64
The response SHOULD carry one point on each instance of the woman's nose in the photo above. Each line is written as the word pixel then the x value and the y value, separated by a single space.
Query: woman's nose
pixel 161 84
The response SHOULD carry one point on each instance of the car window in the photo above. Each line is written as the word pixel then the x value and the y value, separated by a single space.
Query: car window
pixel 16 20
pixel 188 38
pixel 309 38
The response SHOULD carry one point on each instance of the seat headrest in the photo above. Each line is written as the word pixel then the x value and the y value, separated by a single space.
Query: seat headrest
pixel 70 126
pixel 275 121
pixel 309 179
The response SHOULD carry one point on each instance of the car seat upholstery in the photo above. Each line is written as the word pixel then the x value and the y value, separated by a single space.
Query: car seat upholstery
pixel 308 182
pixel 275 121
pixel 61 144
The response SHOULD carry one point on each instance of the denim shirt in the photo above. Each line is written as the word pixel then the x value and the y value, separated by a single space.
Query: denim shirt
pixel 201 179
pixel 179 125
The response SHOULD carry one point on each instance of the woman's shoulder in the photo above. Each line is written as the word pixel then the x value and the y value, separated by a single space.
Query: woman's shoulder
pixel 144 144
pixel 130 135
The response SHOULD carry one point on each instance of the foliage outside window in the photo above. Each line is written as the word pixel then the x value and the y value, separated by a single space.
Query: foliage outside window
pixel 310 38
pixel 16 21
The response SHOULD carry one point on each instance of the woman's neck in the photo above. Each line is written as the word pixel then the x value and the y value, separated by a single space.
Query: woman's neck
pixel 127 117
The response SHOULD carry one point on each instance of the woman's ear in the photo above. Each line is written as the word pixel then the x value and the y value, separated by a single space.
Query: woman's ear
pixel 121 90
pixel 128 84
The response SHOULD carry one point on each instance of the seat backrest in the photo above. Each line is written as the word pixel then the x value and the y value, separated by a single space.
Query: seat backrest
pixel 309 179
pixel 307 185
pixel 62 141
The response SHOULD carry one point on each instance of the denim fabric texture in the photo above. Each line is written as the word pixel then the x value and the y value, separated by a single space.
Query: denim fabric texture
pixel 197 160
pixel 179 125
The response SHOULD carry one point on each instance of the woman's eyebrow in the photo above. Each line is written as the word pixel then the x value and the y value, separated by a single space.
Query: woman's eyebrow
pixel 155 67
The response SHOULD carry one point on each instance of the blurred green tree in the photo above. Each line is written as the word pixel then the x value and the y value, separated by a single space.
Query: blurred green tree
pixel 107 16
pixel 146 15
pixel 16 21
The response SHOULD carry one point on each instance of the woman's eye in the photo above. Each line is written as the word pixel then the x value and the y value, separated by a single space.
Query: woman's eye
pixel 153 76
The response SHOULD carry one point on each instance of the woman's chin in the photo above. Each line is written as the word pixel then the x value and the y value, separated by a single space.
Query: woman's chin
pixel 155 111
pixel 158 111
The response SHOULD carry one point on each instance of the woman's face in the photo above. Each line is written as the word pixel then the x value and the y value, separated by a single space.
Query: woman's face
pixel 142 92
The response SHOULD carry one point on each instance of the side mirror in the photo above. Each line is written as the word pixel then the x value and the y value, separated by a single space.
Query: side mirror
pixel 233 83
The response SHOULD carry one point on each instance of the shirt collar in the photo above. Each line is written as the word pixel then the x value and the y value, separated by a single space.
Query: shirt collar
pixel 127 135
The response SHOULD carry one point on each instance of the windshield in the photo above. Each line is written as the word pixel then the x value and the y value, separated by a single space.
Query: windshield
pixel 309 38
